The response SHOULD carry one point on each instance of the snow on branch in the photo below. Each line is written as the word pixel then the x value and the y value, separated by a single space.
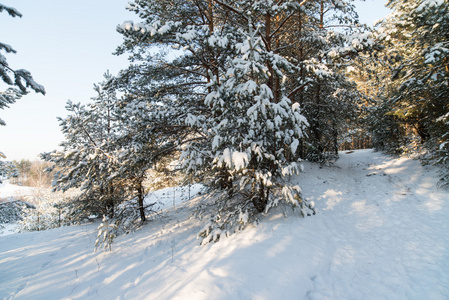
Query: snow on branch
pixel 7 48
pixel 10 10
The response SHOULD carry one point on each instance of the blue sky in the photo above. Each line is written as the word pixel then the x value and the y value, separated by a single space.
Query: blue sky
pixel 68 46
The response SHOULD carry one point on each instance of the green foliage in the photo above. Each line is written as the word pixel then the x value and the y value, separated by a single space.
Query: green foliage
pixel 11 211
pixel 8 170
pixel 110 145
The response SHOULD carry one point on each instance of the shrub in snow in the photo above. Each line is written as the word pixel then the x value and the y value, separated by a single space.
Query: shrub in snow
pixel 106 234
pixel 128 214
pixel 52 210
pixel 44 216
pixel 8 169
pixel 442 152
pixel 443 162
pixel 11 211
pixel 224 215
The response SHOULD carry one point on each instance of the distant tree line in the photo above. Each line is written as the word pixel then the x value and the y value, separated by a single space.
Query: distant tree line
pixel 27 173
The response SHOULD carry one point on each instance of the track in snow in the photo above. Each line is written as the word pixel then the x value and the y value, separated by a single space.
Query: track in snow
pixel 387 225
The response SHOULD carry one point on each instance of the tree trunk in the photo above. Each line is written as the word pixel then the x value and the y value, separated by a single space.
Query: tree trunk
pixel 260 198
pixel 140 198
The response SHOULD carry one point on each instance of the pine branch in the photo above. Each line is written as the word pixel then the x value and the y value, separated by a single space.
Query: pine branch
pixel 282 24
pixel 7 48
pixel 297 89
pixel 235 10
pixel 11 11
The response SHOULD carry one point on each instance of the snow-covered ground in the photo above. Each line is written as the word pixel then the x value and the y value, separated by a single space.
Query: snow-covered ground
pixel 170 198
pixel 382 232
pixel 8 190
pixel 11 192
pixel 8 228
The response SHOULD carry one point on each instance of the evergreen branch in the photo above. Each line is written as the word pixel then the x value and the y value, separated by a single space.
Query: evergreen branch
pixel 182 69
pixel 282 24
pixel 235 10
pixel 19 75
pixel 11 11
pixel 297 89
pixel 7 48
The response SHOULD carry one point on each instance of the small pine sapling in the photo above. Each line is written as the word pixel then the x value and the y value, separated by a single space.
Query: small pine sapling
pixel 106 234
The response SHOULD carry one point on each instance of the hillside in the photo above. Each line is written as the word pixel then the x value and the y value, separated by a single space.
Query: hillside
pixel 381 232
pixel 14 191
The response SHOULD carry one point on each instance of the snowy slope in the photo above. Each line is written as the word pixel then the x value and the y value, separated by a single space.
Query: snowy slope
pixel 381 233
pixel 8 190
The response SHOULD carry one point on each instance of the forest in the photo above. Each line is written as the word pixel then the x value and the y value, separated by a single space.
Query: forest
pixel 236 94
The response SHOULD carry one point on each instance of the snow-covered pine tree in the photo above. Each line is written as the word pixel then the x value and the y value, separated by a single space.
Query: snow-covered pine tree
pixel 174 57
pixel 255 137
pixel 142 143
pixel 19 80
pixel 193 41
pixel 22 78
pixel 329 40
pixel 88 158
pixel 11 212
pixel 52 210
pixel 8 170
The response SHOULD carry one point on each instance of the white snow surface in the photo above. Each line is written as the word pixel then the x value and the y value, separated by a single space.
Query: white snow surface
pixel 8 228
pixel 169 198
pixel 8 190
pixel 382 232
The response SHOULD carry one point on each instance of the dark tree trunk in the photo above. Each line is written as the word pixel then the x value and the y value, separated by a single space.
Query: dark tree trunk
pixel 260 198
pixel 140 198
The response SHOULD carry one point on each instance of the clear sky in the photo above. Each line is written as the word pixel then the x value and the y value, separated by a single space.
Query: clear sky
pixel 67 46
